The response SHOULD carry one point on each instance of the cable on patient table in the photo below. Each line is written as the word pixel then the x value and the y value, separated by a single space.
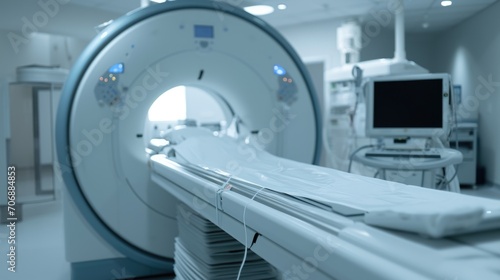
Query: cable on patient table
pixel 218 197
pixel 246 235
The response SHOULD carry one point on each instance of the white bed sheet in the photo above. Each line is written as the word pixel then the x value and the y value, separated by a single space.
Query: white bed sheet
pixel 345 193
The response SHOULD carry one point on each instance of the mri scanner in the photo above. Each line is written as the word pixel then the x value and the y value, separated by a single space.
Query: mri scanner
pixel 122 194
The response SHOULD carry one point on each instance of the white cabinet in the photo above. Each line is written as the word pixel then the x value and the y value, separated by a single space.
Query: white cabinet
pixel 464 139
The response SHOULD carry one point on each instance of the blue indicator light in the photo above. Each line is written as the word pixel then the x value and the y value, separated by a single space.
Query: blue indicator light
pixel 278 70
pixel 117 68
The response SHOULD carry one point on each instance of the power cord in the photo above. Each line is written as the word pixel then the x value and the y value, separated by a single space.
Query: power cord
pixel 218 198
pixel 245 228
pixel 354 153
pixel 446 183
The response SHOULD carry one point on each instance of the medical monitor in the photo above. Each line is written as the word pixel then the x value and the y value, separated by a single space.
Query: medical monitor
pixel 408 106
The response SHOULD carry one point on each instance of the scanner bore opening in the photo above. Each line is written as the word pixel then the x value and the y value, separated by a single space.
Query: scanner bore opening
pixel 186 106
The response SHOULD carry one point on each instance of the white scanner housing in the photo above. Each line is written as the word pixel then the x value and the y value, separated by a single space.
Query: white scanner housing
pixel 234 56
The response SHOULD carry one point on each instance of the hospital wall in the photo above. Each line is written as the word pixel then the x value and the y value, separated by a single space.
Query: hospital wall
pixel 419 47
pixel 315 41
pixel 40 49
pixel 470 51
pixel 35 50
pixel 64 18
pixel 58 39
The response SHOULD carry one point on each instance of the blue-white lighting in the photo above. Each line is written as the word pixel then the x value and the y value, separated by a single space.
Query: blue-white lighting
pixel 116 69
pixel 446 3
pixel 259 10
pixel 278 70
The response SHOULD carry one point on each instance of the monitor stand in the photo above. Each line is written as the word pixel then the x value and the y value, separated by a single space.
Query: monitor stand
pixel 405 143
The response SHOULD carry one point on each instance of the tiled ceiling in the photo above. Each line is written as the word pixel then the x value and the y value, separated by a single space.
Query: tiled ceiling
pixel 418 12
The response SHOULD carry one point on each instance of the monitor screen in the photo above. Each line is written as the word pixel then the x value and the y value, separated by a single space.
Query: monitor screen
pixel 403 106
pixel 408 104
